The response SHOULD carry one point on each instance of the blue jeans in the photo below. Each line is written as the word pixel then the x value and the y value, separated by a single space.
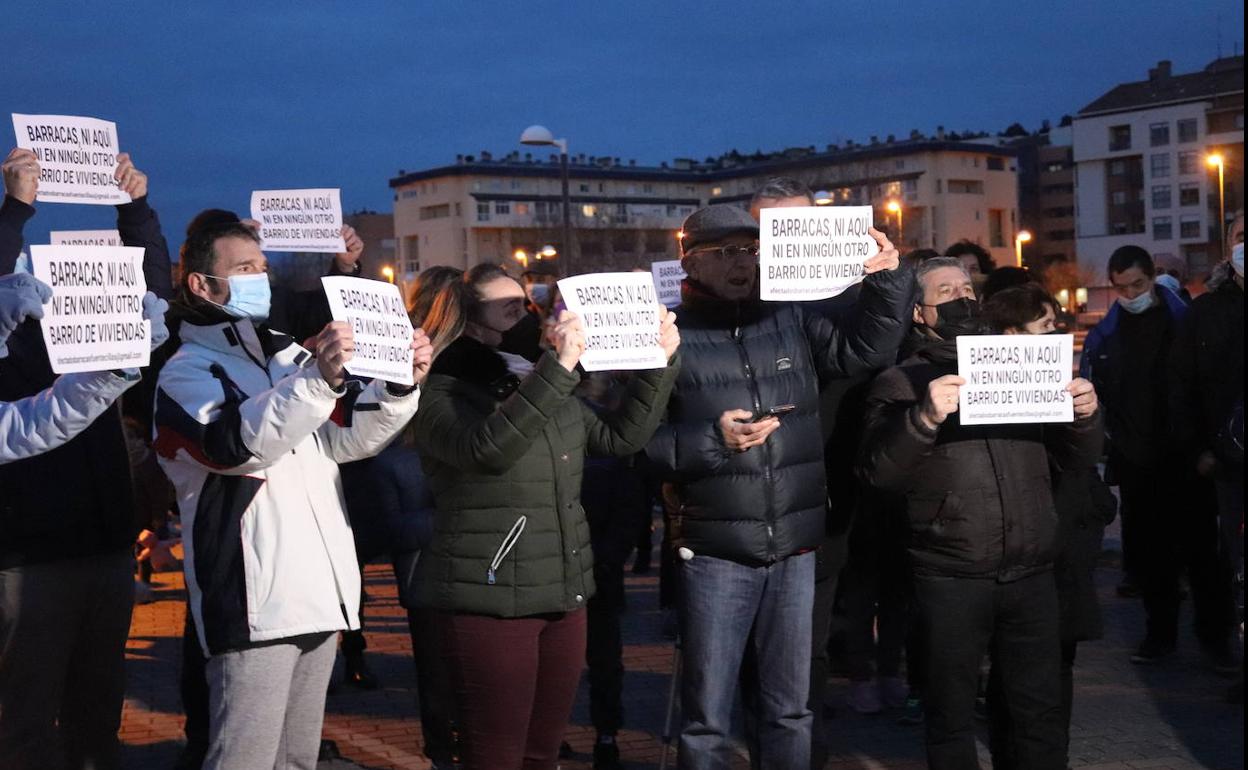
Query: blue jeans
pixel 721 601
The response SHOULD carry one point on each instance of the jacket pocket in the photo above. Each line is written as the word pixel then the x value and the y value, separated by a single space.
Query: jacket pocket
pixel 504 548
pixel 939 525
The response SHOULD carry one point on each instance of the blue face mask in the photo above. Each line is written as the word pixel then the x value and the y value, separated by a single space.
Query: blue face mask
pixel 1138 304
pixel 1237 259
pixel 250 295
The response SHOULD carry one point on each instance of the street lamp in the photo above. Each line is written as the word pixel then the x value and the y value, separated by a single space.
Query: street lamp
pixel 1023 237
pixel 522 257
pixel 387 272
pixel 895 207
pixel 547 252
pixel 823 198
pixel 1216 159
pixel 542 137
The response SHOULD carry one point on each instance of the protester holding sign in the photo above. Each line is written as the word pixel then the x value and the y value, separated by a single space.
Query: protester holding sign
pixel 1084 505
pixel 502 442
pixel 75 568
pixel 982 525
pixel 250 428
pixel 743 443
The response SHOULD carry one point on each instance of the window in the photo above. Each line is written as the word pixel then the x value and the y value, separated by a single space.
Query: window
pixel 435 212
pixel 483 212
pixel 1161 196
pixel 1187 130
pixel 1055 167
pixel 647 188
pixel 584 188
pixel 671 209
pixel 716 192
pixel 900 164
pixel 1060 235
pixel 1159 134
pixel 406 194
pixel 588 211
pixel 515 184
pixel 996 164
pixel 1119 138
pixel 522 209
pixel 1117 167
pixel 1162 230
pixel 1189 162
pixel 1059 212
pixel 966 186
pixel 1118 197
pixel 459 210
pixel 1189 226
pixel 502 207
pixel 996 230
pixel 938 187
pixel 1189 194
pixel 1118 228
pixel 1159 165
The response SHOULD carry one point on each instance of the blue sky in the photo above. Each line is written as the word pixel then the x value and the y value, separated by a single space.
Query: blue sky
pixel 216 99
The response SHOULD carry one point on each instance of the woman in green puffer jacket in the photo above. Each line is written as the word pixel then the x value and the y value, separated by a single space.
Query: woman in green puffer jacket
pixel 509 569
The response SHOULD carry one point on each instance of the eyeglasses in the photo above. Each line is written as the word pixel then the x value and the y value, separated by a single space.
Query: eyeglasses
pixel 728 252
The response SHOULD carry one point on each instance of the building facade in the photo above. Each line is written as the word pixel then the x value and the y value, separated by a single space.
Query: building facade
pixel 1046 195
pixel 624 216
pixel 1140 155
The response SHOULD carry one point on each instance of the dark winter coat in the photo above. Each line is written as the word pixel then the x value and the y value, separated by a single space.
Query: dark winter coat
pixel 77 500
pixel 979 499
pixel 505 458
pixel 1207 368
pixel 770 502
pixel 1085 506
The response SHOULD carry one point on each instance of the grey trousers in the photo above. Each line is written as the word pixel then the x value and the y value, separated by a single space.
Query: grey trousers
pixel 63 629
pixel 266 704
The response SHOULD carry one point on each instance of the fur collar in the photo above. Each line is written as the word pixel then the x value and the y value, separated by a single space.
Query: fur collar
pixel 475 362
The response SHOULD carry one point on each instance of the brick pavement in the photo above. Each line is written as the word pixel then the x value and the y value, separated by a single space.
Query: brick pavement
pixel 1126 717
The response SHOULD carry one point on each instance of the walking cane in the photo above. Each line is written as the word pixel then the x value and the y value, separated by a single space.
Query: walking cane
pixel 671 704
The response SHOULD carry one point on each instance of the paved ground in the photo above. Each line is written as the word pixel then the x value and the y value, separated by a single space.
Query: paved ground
pixel 1125 716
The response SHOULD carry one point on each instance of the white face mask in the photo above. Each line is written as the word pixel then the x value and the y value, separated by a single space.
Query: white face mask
pixel 1237 259
pixel 1138 304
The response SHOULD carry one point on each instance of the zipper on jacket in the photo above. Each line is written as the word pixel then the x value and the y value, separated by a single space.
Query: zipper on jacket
pixel 756 397
pixel 509 542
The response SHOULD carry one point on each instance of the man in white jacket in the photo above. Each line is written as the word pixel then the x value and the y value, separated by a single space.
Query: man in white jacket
pixel 46 420
pixel 250 427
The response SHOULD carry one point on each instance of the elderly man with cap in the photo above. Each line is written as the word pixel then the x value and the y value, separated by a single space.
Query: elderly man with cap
pixel 743 449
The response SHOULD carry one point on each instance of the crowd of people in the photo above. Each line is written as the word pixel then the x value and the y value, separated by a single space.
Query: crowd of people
pixel 808 461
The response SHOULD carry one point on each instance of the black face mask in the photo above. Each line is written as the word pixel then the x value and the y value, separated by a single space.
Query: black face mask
pixel 524 338
pixel 958 317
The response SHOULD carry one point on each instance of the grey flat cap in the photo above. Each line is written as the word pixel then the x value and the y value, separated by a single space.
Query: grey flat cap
pixel 714 223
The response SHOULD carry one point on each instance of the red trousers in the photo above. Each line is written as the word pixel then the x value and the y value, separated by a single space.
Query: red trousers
pixel 515 680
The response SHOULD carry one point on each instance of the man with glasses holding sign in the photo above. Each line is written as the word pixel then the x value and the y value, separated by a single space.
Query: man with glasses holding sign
pixel 743 447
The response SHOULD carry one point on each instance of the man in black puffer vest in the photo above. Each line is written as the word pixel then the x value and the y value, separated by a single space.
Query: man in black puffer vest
pixel 753 497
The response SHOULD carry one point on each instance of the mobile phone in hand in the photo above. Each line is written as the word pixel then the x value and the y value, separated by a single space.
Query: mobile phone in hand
pixel 776 411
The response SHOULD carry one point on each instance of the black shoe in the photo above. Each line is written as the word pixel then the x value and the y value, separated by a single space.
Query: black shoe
pixel 606 753
pixel 328 751
pixel 565 750
pixel 1152 651
pixel 358 674
pixel 641 565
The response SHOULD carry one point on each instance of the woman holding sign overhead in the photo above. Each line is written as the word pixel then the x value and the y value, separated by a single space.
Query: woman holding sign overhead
pixel 509 570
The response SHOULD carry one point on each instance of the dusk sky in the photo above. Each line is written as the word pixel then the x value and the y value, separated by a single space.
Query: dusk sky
pixel 216 99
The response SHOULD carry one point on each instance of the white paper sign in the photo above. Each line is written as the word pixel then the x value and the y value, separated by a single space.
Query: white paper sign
pixel 1014 378
pixel 383 330
pixel 299 220
pixel 667 277
pixel 621 316
pixel 95 319
pixel 86 237
pixel 77 157
pixel 813 252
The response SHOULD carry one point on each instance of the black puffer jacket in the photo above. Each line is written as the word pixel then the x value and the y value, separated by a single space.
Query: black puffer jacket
pixel 769 502
pixel 979 499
